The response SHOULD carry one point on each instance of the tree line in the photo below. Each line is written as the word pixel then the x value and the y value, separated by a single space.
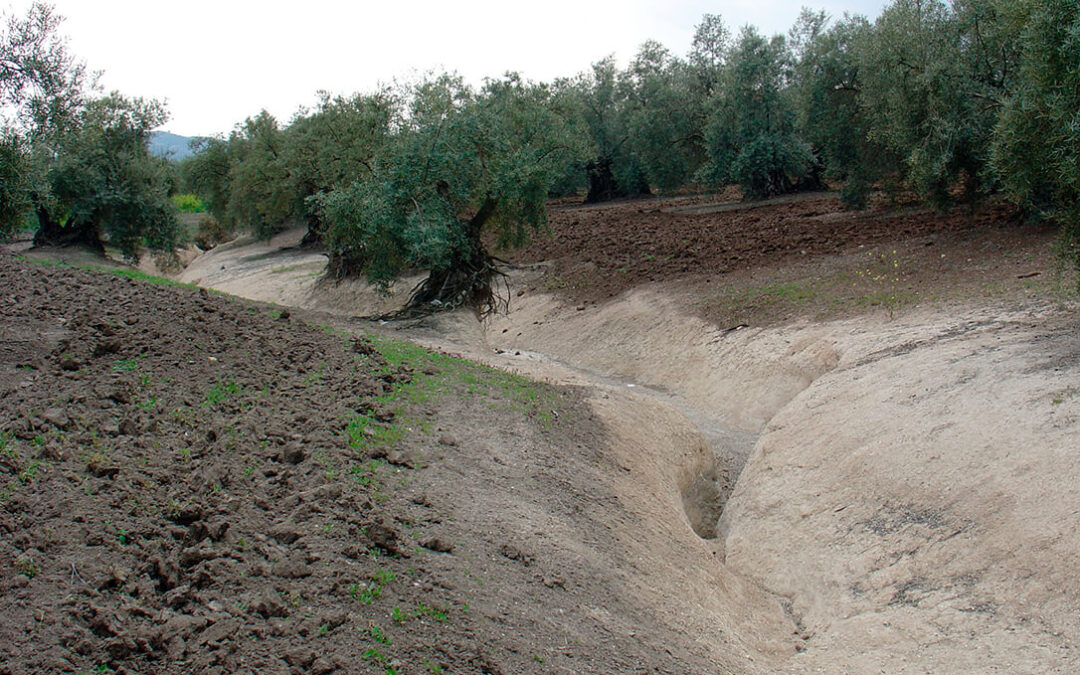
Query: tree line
pixel 954 101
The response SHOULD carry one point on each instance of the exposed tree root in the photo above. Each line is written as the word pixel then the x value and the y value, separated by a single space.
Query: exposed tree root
pixel 474 285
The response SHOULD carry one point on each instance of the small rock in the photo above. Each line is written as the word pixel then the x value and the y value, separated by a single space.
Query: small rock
pixel 219 631
pixel 513 553
pixel 448 440
pixel 182 626
pixel 102 469
pixel 399 458
pixel 217 530
pixel 187 515
pixel 106 347
pixel 291 569
pixel 166 571
pixel 386 539
pixel 300 658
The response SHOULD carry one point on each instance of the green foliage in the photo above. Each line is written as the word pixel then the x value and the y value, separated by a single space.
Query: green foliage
pixel 188 203
pixel 335 146
pixel 830 117
pixel 933 78
pixel 461 163
pixel 259 178
pixel 41 83
pixel 206 174
pixel 663 117
pixel 1036 147
pixel 597 101
pixel 41 87
pixel 103 181
pixel 15 184
pixel 750 134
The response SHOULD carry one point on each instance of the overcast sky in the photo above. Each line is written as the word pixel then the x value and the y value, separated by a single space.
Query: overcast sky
pixel 215 62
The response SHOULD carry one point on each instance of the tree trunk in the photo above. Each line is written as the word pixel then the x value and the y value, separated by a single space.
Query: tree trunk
pixel 603 187
pixel 52 233
pixel 316 228
pixel 466 280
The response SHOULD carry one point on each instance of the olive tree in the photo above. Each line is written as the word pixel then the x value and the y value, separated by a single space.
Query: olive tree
pixel 1036 146
pixel 41 87
pixel 462 165
pixel 332 147
pixel 663 117
pixel 102 182
pixel 750 135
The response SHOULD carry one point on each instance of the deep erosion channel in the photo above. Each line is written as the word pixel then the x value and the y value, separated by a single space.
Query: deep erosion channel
pixel 862 495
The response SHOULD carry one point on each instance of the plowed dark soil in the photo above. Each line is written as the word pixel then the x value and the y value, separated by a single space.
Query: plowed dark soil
pixel 597 252
pixel 190 484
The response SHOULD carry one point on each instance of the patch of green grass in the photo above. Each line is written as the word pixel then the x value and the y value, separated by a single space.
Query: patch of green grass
pixel 145 278
pixel 26 566
pixel 380 659
pixel 222 390
pixel 125 365
pixel 436 374
pixel 426 610
pixel 286 268
pixel 7 445
pixel 378 634
pixel 1059 397
pixel 373 589
pixel 188 203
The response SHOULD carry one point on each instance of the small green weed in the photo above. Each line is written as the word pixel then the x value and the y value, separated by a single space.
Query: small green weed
pixel 26 566
pixel 377 657
pixel 425 610
pixel 222 390
pixel 378 634
pixel 371 591
pixel 125 365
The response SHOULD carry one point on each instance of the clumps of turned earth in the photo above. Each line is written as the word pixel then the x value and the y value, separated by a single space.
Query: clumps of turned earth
pixel 800 255
pixel 189 483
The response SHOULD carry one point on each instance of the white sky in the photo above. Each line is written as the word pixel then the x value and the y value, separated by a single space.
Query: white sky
pixel 216 62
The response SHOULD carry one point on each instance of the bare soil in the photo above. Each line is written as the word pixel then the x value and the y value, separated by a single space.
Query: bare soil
pixel 774 437
pixel 801 256
pixel 182 493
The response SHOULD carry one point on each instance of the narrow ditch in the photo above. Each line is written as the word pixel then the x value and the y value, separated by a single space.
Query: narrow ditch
pixel 707 489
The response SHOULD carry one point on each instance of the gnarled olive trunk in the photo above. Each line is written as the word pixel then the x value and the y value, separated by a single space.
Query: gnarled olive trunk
pixel 604 187
pixel 51 233
pixel 466 280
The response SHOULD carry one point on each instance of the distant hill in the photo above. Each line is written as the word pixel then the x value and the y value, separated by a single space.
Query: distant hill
pixel 164 144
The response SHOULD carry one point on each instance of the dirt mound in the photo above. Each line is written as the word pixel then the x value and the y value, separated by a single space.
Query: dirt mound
pixel 193 484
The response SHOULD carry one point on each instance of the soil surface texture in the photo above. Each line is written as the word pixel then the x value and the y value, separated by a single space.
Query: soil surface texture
pixel 708 437
pixel 194 484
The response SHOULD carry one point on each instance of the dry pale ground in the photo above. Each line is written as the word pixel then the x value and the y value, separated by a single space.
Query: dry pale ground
pixel 904 487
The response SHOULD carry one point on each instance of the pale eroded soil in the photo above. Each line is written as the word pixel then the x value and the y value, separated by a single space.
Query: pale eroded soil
pixel 902 476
